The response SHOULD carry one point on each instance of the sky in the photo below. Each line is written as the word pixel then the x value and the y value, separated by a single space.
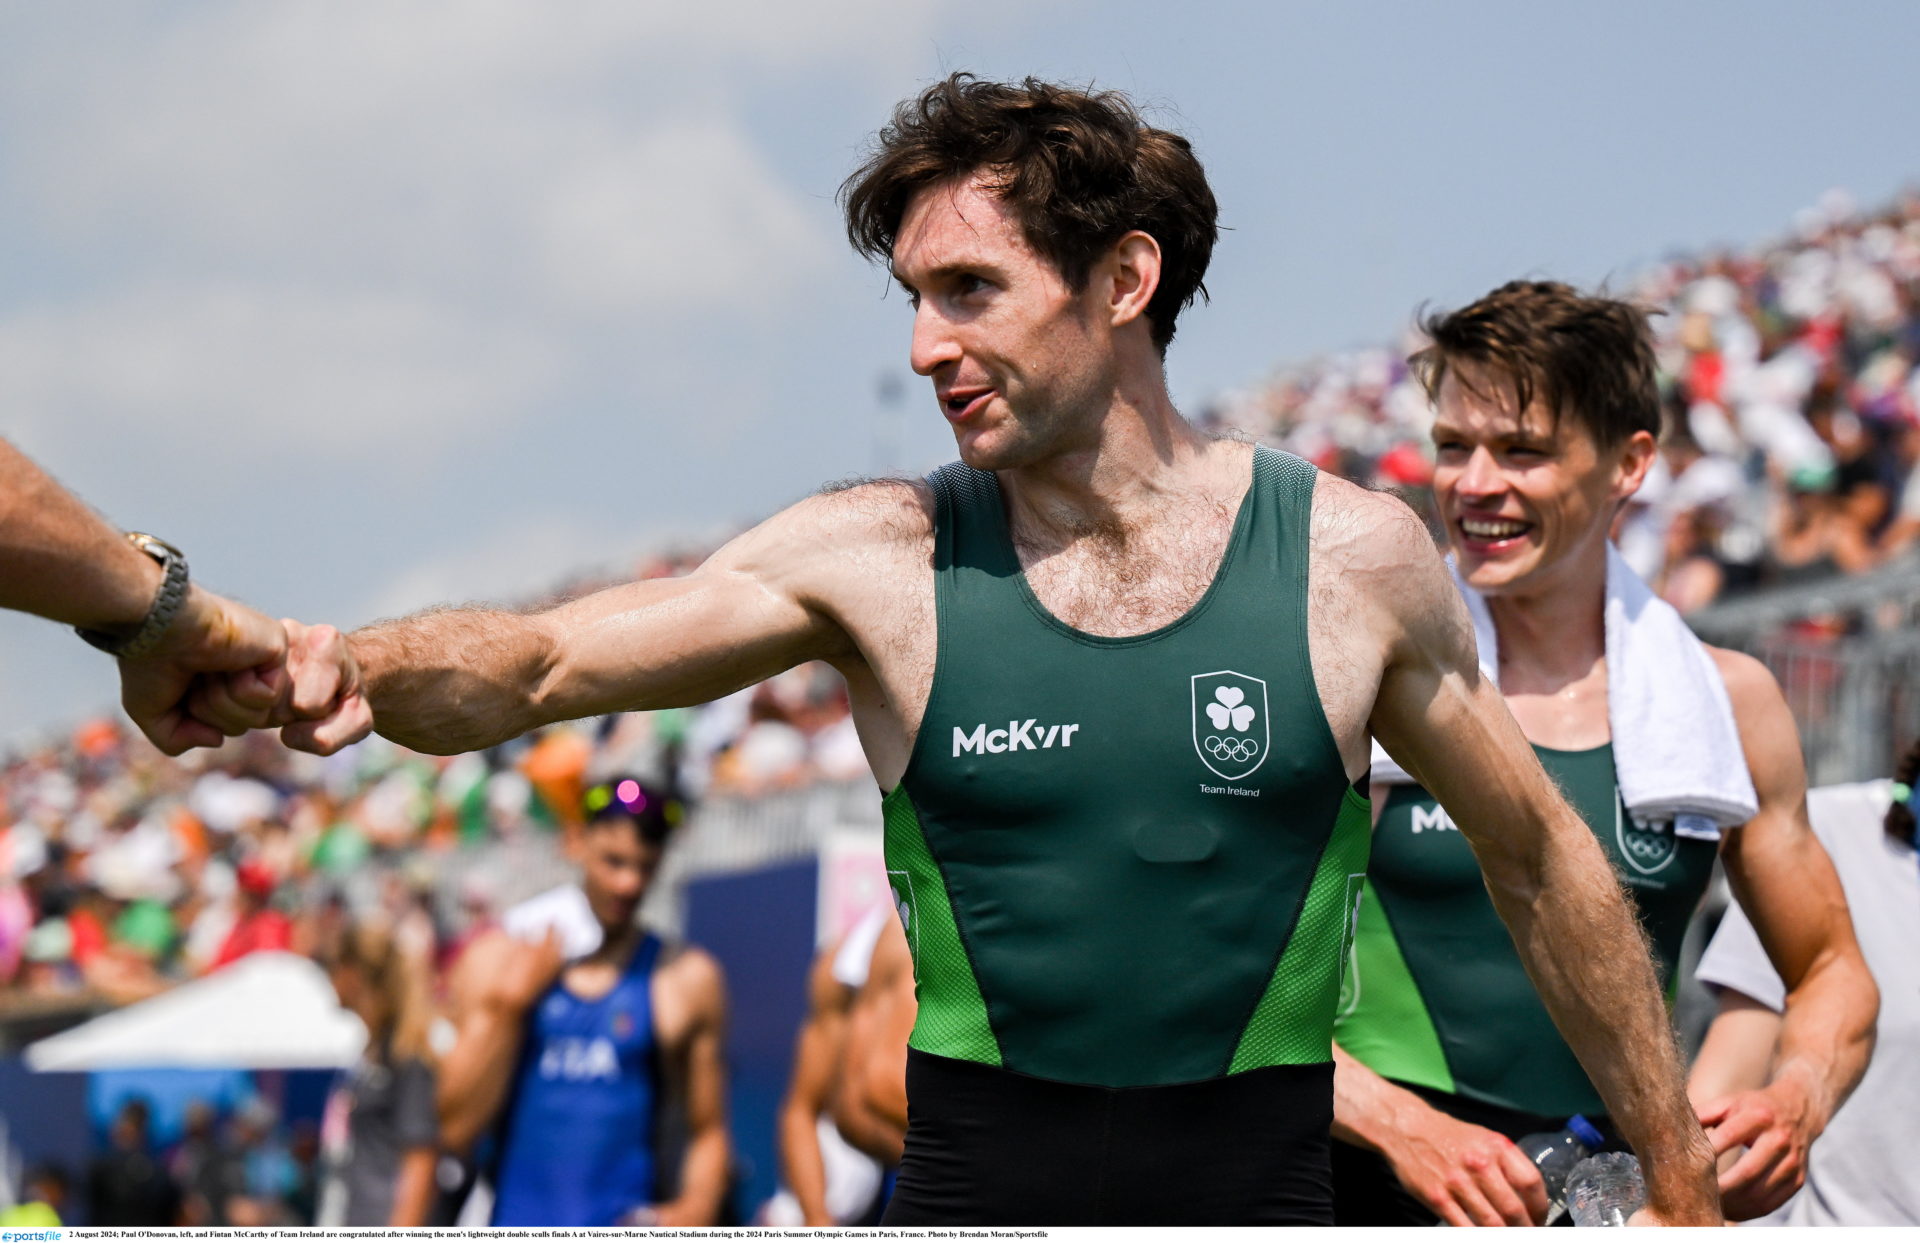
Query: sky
pixel 371 305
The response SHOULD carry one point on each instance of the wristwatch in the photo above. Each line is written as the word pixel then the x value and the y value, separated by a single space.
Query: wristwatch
pixel 166 602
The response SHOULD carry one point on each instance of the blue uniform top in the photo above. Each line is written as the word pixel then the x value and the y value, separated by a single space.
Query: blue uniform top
pixel 577 1146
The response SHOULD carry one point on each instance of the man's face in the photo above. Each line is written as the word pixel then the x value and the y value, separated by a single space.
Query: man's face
pixel 616 868
pixel 1520 492
pixel 1022 366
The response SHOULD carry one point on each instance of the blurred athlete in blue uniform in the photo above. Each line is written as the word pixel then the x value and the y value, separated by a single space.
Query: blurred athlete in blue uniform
pixel 575 1054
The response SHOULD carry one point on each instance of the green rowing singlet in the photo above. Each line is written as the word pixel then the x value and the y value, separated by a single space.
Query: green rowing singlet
pixel 1126 861
pixel 1436 995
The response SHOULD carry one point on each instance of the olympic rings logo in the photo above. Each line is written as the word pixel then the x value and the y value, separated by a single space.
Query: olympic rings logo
pixel 1646 848
pixel 1239 750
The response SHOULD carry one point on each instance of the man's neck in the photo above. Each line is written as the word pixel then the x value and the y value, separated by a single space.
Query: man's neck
pixel 1138 457
pixel 1553 631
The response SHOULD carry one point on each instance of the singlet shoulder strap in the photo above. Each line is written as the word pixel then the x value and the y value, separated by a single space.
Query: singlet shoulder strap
pixel 970 524
pixel 646 956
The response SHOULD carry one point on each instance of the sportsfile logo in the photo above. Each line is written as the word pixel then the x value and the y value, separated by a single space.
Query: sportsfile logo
pixel 1028 735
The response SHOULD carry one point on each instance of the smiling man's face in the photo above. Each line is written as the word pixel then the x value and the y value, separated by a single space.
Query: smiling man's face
pixel 1524 496
pixel 1022 365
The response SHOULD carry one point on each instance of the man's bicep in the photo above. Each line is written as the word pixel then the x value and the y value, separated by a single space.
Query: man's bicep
pixel 745 615
pixel 1777 868
pixel 1442 719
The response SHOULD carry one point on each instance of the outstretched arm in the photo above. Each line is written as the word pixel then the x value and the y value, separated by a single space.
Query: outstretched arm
pixel 62 561
pixel 1787 886
pixel 453 680
pixel 1446 723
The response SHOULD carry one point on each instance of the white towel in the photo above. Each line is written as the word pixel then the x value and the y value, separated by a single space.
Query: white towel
pixel 1676 746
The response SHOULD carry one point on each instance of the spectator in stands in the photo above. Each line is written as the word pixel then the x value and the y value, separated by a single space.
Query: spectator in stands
pixel 258 925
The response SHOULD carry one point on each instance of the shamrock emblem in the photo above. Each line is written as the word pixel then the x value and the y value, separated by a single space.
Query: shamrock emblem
pixel 1229 706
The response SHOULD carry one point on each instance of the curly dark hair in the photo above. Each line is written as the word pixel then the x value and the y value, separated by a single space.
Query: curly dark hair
pixel 1079 169
pixel 1588 356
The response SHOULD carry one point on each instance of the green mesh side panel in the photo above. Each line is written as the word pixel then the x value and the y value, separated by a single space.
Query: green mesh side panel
pixel 1293 1023
pixel 953 1015
pixel 1383 1020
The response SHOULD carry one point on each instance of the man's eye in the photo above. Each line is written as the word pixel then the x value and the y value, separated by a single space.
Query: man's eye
pixel 965 285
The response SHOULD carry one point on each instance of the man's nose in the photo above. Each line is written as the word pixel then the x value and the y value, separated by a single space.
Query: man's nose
pixel 1482 476
pixel 934 344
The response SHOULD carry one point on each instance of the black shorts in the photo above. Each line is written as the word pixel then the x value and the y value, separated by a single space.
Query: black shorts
pixel 988 1147
pixel 1366 1192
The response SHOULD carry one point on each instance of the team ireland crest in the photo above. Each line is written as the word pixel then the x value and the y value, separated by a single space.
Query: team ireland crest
pixel 1230 723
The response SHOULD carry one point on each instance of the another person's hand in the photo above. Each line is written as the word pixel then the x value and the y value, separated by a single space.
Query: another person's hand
pixel 1467 1174
pixel 325 707
pixel 1776 1126
pixel 218 671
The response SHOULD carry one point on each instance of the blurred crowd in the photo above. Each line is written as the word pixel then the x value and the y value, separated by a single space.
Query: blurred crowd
pixel 1791 397
pixel 122 872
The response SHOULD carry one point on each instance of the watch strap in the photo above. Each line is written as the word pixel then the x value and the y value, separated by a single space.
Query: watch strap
pixel 166 602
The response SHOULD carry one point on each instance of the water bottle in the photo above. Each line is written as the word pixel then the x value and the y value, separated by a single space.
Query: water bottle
pixel 1606 1190
pixel 1555 1153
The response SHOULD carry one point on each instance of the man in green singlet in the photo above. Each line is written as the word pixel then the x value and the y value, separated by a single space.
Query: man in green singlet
pixel 1547 413
pixel 1117 679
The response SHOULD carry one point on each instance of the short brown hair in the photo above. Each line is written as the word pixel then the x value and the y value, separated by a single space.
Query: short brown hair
pixel 1588 356
pixel 1078 168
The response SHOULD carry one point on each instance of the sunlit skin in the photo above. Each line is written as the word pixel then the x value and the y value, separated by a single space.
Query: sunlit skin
pixel 1024 368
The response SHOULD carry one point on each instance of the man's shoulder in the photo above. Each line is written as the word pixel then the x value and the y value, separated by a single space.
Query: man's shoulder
pixel 1744 676
pixel 1359 531
pixel 868 510
pixel 690 972
pixel 1752 690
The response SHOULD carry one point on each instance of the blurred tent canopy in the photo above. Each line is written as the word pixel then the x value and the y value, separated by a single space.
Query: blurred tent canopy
pixel 269 1011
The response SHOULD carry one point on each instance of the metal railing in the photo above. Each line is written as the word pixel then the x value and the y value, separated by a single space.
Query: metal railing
pixel 1846 651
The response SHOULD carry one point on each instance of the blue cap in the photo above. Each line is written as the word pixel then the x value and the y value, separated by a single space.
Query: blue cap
pixel 1586 1132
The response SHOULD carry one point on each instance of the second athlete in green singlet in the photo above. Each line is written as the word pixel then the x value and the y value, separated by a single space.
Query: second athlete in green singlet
pixel 1546 416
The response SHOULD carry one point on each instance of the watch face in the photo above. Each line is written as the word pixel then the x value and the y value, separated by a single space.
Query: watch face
pixel 154 546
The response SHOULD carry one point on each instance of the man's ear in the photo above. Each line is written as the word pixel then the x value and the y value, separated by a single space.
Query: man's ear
pixel 1133 271
pixel 1635 459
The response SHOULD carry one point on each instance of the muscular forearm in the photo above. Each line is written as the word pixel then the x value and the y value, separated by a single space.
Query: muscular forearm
pixel 455 680
pixel 474 1078
pixel 61 560
pixel 1591 965
pixel 1827 1034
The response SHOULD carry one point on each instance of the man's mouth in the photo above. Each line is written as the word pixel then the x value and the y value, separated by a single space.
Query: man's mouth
pixel 961 404
pixel 1492 532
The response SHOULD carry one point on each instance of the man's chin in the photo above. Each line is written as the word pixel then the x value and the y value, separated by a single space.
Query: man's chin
pixel 1491 576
